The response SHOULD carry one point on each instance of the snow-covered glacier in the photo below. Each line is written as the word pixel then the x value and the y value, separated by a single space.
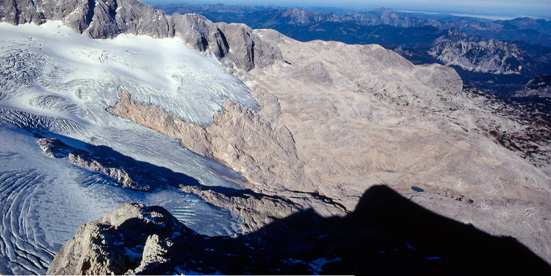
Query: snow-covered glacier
pixel 57 83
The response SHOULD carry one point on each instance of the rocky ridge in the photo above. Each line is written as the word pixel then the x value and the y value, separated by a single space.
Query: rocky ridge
pixel 476 54
pixel 234 44
pixel 256 210
pixel 54 148
pixel 536 87
pixel 495 56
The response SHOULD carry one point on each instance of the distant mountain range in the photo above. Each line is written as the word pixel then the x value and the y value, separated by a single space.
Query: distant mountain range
pixel 499 56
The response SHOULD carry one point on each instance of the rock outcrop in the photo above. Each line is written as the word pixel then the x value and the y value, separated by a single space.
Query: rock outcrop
pixel 536 87
pixel 386 234
pixel 118 242
pixel 255 210
pixel 129 173
pixel 477 54
pixel 234 44
pixel 261 148
pixel 57 149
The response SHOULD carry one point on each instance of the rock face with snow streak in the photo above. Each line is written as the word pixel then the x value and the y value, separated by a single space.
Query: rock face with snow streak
pixel 255 210
pixel 109 244
pixel 127 172
pixel 235 44
pixel 57 149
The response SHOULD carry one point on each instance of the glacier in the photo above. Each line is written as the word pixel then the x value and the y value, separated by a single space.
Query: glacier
pixel 57 83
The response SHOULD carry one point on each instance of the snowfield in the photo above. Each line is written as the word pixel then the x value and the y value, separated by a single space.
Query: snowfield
pixel 56 83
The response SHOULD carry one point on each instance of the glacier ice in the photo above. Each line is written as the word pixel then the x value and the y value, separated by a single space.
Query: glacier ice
pixel 164 72
pixel 57 83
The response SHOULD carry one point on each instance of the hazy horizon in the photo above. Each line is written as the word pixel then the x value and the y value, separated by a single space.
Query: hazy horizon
pixel 481 8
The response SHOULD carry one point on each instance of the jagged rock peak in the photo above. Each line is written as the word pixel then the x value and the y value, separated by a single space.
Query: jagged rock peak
pixel 235 44
pixel 115 243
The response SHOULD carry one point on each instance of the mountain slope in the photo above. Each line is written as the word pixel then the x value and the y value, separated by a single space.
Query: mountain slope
pixel 321 121
pixel 386 234
pixel 485 53
pixel 362 115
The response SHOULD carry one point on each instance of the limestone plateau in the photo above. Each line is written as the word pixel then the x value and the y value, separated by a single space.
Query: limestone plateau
pixel 499 56
pixel 351 159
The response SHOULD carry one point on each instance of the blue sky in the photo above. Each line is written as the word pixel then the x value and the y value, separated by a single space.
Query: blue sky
pixel 498 8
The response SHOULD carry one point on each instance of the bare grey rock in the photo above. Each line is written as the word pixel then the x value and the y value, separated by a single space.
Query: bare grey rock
pixel 255 210
pixel 56 149
pixel 126 171
pixel 155 253
pixel 536 87
pixel 234 44
pixel 239 137
pixel 379 120
pixel 476 54
pixel 114 244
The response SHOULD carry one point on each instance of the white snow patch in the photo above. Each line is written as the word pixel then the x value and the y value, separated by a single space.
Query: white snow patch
pixel 164 72
pixel 132 254
pixel 317 264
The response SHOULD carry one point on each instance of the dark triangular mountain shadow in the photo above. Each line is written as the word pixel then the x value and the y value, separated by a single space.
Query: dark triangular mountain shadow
pixel 387 234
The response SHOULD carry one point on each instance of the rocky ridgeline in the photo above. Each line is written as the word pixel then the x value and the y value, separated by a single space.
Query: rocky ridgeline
pixel 57 149
pixel 235 44
pixel 477 54
pixel 336 119
pixel 254 209
pixel 129 173
pixel 386 234
pixel 536 87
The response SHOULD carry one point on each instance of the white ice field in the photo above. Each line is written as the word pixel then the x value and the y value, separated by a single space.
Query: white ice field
pixel 58 83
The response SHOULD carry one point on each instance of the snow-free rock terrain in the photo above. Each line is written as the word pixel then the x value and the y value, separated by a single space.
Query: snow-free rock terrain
pixel 536 87
pixel 476 54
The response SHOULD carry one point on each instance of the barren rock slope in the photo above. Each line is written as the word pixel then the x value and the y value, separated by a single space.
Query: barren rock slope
pixel 361 115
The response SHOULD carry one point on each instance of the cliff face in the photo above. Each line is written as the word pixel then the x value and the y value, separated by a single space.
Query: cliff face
pixel 235 44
